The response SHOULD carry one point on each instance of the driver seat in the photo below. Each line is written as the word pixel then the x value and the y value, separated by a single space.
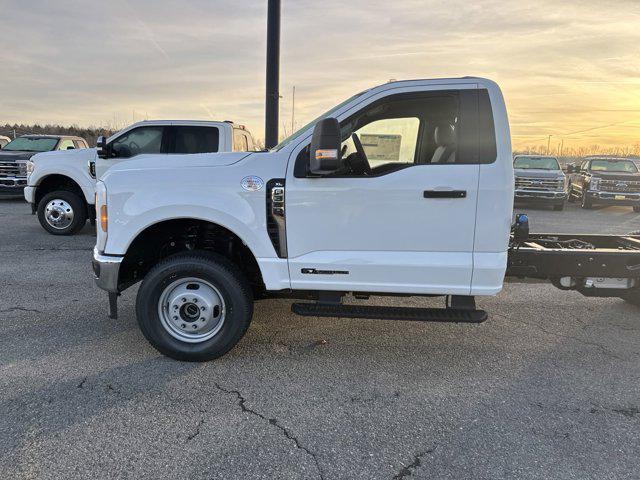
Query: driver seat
pixel 445 137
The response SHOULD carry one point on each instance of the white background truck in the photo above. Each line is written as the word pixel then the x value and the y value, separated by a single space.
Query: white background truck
pixel 61 185
pixel 314 219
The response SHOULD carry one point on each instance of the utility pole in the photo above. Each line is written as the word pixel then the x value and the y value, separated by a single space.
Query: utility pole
pixel 273 75
pixel 548 144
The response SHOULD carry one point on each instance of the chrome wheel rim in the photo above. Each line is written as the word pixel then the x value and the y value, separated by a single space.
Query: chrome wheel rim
pixel 191 310
pixel 58 214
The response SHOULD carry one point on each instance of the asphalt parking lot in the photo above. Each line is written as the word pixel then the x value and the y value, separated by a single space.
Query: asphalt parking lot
pixel 548 387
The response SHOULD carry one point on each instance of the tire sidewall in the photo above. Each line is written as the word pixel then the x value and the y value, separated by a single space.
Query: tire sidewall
pixel 219 272
pixel 79 212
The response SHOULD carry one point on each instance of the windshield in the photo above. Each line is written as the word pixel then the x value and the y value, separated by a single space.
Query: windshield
pixel 32 144
pixel 326 114
pixel 625 166
pixel 538 163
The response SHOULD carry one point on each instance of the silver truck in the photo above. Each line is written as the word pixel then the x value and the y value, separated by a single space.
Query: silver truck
pixel 539 180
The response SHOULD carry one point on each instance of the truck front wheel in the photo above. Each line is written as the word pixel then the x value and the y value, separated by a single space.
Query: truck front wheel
pixel 62 212
pixel 194 306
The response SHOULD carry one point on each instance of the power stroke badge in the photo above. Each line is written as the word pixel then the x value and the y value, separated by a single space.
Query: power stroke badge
pixel 252 183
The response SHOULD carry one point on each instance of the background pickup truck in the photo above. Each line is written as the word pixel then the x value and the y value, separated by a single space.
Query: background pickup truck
pixel 3 141
pixel 605 181
pixel 539 180
pixel 61 185
pixel 14 158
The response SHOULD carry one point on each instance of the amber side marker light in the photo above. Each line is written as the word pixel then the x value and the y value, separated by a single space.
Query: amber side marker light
pixel 103 218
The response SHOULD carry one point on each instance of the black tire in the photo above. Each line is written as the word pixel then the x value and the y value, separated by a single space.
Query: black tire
pixel 636 208
pixel 64 201
pixel 215 269
pixel 585 203
pixel 558 207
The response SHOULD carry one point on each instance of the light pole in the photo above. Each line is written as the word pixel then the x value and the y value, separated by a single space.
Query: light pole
pixel 273 75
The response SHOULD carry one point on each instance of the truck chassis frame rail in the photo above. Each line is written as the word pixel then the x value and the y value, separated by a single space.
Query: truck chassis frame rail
pixel 594 265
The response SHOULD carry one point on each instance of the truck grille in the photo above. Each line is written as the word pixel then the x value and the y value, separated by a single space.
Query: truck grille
pixel 550 184
pixel 619 186
pixel 9 169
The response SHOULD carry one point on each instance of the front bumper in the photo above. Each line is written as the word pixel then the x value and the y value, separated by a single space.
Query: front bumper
pixel 540 196
pixel 12 186
pixel 30 194
pixel 106 269
pixel 614 198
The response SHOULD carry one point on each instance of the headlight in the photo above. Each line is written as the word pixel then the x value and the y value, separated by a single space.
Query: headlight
pixel 29 167
pixel 594 184
pixel 22 168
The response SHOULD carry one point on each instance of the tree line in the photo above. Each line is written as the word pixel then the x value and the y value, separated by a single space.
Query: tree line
pixel 90 134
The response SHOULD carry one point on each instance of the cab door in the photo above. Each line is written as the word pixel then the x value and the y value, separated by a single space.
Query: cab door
pixel 137 141
pixel 404 224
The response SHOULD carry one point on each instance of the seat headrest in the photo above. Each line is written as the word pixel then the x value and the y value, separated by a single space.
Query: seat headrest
pixel 444 134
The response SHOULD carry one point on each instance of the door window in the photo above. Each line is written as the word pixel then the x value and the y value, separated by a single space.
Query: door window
pixel 392 140
pixel 196 139
pixel 138 141
pixel 65 144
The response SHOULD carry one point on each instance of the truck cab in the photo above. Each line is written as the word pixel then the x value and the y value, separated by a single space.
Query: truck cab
pixel 61 185
pixel 605 181
pixel 403 189
pixel 539 180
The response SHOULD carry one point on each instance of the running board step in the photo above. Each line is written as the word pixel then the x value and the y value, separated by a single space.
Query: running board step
pixel 371 312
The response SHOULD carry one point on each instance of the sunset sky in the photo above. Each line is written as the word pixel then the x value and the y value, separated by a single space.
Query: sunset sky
pixel 568 69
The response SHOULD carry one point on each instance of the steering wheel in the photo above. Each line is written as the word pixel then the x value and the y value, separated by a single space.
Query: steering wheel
pixel 359 163
pixel 134 147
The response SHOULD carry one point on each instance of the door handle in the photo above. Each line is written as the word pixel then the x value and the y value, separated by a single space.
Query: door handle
pixel 445 194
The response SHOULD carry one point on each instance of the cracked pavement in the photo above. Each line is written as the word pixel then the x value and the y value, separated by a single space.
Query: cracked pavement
pixel 546 388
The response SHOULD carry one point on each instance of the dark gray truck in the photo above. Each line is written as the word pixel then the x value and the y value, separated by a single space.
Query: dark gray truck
pixel 539 180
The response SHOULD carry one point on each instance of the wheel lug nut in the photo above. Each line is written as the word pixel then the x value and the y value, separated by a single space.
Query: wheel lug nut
pixel 195 300
pixel 202 319
pixel 184 326
pixel 194 327
pixel 184 299
pixel 202 308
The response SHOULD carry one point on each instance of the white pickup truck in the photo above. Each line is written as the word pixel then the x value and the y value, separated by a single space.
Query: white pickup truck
pixel 61 185
pixel 403 189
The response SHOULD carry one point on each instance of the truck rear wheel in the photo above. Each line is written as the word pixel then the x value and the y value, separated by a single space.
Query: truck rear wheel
pixel 194 306
pixel 62 212
pixel 586 203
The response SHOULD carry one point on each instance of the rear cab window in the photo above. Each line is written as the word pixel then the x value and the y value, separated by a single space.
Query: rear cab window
pixel 196 139
pixel 240 143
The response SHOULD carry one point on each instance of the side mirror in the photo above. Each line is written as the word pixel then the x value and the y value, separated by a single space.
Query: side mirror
pixel 102 147
pixel 325 155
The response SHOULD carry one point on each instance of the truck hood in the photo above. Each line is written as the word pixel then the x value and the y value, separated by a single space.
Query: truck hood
pixel 629 177
pixel 81 155
pixel 15 156
pixel 537 173
pixel 170 162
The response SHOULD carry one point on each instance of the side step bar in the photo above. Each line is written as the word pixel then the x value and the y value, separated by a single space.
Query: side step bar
pixel 411 314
